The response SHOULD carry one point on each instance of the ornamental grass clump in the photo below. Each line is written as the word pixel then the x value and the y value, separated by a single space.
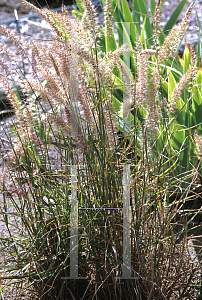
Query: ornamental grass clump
pixel 69 171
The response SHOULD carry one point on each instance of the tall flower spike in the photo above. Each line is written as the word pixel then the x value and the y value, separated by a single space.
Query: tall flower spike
pixel 109 130
pixel 198 142
pixel 65 21
pixel 106 64
pixel 16 40
pixel 141 89
pixel 108 19
pixel 157 18
pixel 92 17
pixel 9 55
pixel 116 54
pixel 193 55
pixel 193 63
pixel 167 46
pixel 45 14
pixel 64 63
pixel 179 88
pixel 181 30
pixel 153 112
pixel 83 32
pixel 84 101
pixel 5 67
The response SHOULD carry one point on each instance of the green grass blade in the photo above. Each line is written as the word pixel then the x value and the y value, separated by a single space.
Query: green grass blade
pixel 136 15
pixel 142 9
pixel 186 58
pixel 110 41
pixel 127 17
pixel 126 11
pixel 171 83
pixel 152 7
pixel 80 5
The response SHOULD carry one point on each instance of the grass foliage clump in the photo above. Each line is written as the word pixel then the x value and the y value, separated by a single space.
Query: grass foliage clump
pixel 74 128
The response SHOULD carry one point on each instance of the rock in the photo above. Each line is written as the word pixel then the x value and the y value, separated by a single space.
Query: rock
pixel 8 6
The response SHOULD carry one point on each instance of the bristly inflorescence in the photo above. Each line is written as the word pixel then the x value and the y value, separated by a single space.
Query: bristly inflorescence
pixel 181 31
pixel 193 55
pixel 52 63
pixel 46 15
pixel 179 89
pixel 91 17
pixel 108 19
pixel 166 48
pixel 174 38
pixel 198 142
pixel 146 95
pixel 157 18
pixel 142 87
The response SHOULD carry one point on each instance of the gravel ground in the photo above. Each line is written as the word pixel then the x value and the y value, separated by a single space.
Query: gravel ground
pixel 27 30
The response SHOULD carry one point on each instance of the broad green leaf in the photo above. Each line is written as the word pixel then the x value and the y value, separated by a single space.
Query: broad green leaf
pixel 186 99
pixel 197 106
pixel 117 81
pixel 80 5
pixel 186 58
pixel 126 35
pixel 181 60
pixel 117 72
pixel 171 83
pixel 110 41
pixel 165 86
pixel 143 37
pixel 148 26
pixel 199 52
pixel 133 65
pixel 174 17
pixel 119 27
pixel 199 79
pixel 127 69
pixel 192 119
pixel 102 46
pixel 117 105
pixel 77 14
pixel 136 15
pixel 180 104
pixel 161 37
pixel 116 10
pixel 133 34
pixel 181 113
pixel 126 11
pixel 174 70
pixel 178 136
pixel 152 7
pixel 127 17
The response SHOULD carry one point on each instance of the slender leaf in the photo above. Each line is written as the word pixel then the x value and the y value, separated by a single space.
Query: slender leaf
pixel 174 17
